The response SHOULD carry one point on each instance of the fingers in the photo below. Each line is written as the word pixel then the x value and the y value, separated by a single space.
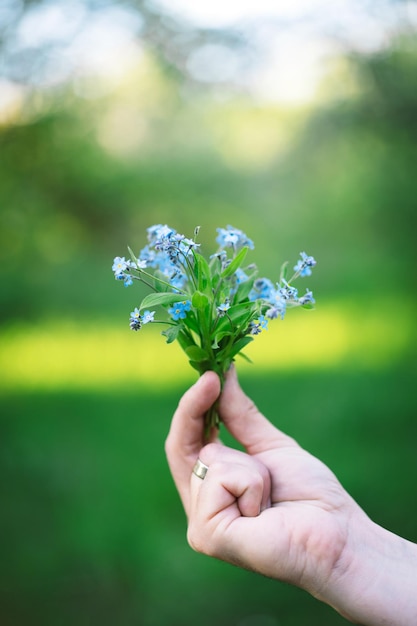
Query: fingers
pixel 240 415
pixel 247 478
pixel 235 486
pixel 245 422
pixel 186 435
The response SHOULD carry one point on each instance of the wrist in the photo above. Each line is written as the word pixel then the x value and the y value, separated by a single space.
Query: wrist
pixel 374 582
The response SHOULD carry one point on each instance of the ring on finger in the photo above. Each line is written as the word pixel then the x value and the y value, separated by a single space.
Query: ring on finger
pixel 200 469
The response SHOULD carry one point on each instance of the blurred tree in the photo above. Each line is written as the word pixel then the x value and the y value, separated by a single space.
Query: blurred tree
pixel 36 36
pixel 355 161
pixel 69 197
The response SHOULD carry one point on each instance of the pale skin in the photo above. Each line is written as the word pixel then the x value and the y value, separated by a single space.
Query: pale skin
pixel 277 510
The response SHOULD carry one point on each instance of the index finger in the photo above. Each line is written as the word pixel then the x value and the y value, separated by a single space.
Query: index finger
pixel 186 435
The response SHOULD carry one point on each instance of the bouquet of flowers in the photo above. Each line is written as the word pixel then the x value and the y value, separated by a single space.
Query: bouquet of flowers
pixel 213 307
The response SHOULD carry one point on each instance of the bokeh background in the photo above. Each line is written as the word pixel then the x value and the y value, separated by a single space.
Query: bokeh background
pixel 294 121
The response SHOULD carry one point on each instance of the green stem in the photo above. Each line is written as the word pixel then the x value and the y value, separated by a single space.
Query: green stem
pixel 142 280
pixel 190 270
pixel 163 282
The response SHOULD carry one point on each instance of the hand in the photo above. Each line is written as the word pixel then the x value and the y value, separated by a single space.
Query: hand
pixel 276 509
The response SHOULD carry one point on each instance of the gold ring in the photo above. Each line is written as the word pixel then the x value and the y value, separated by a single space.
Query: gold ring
pixel 200 470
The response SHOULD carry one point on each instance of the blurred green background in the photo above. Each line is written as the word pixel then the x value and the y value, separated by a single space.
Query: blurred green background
pixel 97 144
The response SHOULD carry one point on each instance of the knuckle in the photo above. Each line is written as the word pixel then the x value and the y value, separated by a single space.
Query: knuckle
pixel 211 451
pixel 257 480
pixel 202 541
pixel 194 539
pixel 250 407
pixel 264 473
pixel 168 447
pixel 219 468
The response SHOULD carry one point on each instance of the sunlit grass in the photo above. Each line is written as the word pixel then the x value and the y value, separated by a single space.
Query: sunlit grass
pixel 75 355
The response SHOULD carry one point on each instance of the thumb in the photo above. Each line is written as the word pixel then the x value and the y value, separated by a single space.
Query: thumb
pixel 245 422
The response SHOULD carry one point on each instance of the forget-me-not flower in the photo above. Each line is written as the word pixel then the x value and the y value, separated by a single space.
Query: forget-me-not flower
pixel 135 320
pixel 307 298
pixel 223 308
pixel 148 317
pixel 119 266
pixel 233 238
pixel 304 265
pixel 179 310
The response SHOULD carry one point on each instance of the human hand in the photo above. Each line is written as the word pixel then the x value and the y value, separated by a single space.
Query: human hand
pixel 275 508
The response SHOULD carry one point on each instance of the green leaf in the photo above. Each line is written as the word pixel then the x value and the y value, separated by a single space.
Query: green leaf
pixel 156 299
pixel 199 300
pixel 245 357
pixel 195 353
pixel 160 286
pixel 191 323
pixel 197 366
pixel 219 336
pixel 215 281
pixel 239 345
pixel 202 273
pixel 172 333
pixel 132 254
pixel 283 272
pixel 239 314
pixel 184 339
pixel 244 288
pixel 236 263
pixel 240 310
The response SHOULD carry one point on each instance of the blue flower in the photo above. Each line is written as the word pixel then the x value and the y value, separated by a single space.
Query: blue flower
pixel 276 311
pixel 158 232
pixel 278 307
pixel 166 240
pixel 179 310
pixel 148 317
pixel 221 255
pixel 286 291
pixel 127 280
pixel 304 265
pixel 186 245
pixel 241 276
pixel 233 238
pixel 165 257
pixel 262 288
pixel 178 280
pixel 307 298
pixel 223 308
pixel 135 321
pixel 258 326
pixel 119 266
pixel 141 264
pixel 147 256
pixel 263 322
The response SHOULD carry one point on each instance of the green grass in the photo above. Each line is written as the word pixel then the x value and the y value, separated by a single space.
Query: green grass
pixel 93 532
pixel 78 355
